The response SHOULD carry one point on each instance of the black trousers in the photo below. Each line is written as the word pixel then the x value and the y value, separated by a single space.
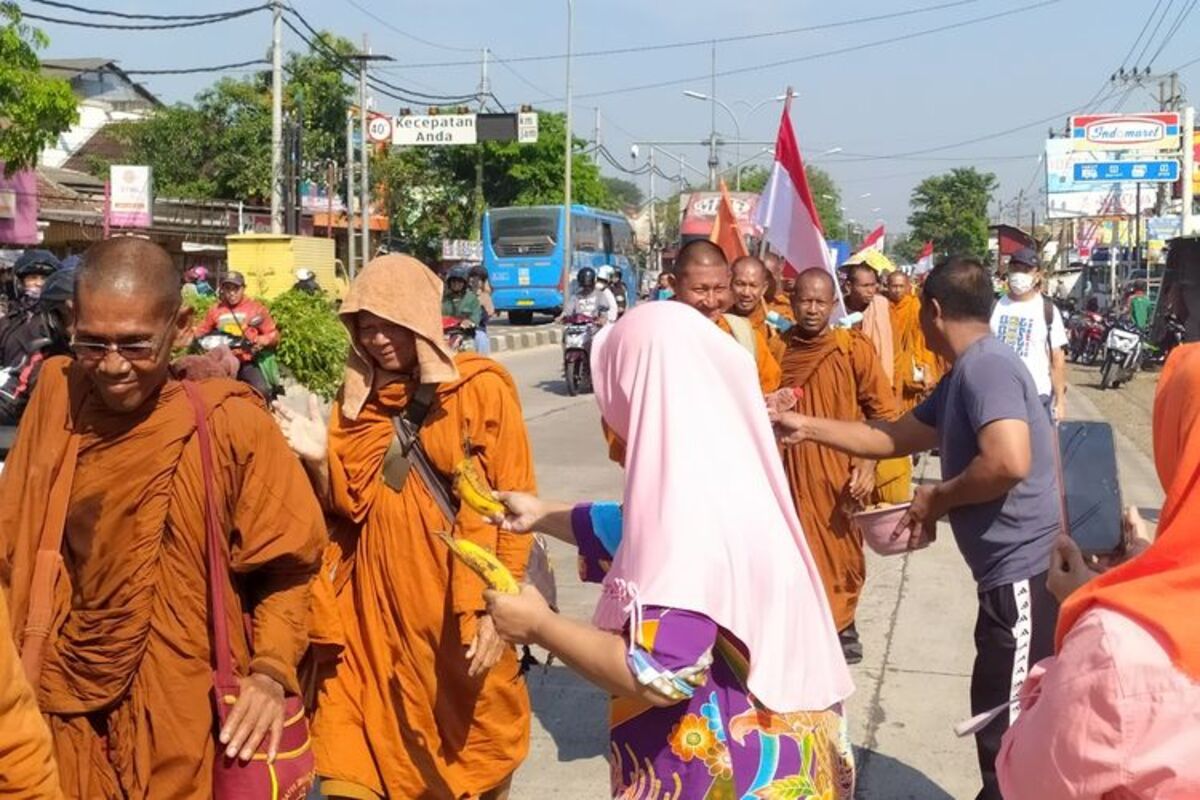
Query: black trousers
pixel 1013 631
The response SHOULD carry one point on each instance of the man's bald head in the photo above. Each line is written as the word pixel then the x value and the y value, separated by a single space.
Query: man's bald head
pixel 813 299
pixel 132 267
pixel 898 286
pixel 862 284
pixel 750 281
pixel 701 278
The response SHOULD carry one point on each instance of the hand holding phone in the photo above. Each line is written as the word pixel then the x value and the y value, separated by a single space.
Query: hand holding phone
pixel 1089 489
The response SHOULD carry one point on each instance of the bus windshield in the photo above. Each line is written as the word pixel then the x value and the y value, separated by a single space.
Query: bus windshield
pixel 524 231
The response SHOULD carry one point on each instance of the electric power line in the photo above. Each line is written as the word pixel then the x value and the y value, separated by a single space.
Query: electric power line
pixel 1141 33
pixel 198 70
pixel 824 54
pixel 163 26
pixel 1146 45
pixel 710 41
pixel 121 15
pixel 408 35
pixel 1183 13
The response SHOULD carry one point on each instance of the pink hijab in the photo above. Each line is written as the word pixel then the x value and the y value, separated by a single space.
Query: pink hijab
pixel 709 524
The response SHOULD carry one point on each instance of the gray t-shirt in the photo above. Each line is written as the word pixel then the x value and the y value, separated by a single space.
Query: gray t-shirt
pixel 1010 538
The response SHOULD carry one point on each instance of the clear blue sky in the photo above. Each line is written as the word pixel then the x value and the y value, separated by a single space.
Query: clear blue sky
pixel 921 91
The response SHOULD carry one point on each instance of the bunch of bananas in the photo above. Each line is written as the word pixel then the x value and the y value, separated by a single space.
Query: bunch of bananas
pixel 483 563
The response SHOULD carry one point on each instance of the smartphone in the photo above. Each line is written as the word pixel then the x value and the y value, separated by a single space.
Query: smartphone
pixel 1090 490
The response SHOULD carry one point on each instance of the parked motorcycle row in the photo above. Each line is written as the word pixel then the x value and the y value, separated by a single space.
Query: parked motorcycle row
pixel 1117 345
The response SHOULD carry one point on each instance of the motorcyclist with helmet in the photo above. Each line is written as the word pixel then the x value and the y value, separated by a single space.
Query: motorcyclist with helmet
pixel 591 300
pixel 44 334
pixel 197 278
pixel 243 318
pixel 459 302
pixel 306 281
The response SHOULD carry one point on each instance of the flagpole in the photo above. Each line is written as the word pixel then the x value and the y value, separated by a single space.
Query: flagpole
pixel 762 243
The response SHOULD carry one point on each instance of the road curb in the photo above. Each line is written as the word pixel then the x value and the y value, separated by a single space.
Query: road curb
pixel 525 340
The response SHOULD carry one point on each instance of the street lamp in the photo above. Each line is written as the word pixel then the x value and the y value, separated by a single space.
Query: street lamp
pixel 831 151
pixel 737 125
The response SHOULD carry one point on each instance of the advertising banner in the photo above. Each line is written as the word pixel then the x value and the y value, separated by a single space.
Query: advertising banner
pixel 434 129
pixel 1068 198
pixel 700 211
pixel 131 201
pixel 18 207
pixel 1147 132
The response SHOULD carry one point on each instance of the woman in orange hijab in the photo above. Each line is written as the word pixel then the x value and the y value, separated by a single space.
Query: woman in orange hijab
pixel 1116 714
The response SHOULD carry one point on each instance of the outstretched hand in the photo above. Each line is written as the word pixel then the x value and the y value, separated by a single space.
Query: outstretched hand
pixel 522 513
pixel 790 427
pixel 306 433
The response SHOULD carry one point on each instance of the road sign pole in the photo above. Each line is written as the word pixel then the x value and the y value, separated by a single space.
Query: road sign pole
pixel 1189 159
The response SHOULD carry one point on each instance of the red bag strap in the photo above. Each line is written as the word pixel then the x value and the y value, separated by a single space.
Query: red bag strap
pixel 218 571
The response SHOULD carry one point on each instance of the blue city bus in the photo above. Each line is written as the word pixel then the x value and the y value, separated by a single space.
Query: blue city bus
pixel 523 254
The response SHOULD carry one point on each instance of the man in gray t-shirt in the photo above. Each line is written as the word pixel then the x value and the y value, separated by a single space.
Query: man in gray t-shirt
pixel 1009 538
pixel 998 487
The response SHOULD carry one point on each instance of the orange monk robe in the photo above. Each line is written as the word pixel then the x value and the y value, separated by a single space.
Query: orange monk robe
pixel 401 717
pixel 768 367
pixel 26 759
pixel 125 685
pixel 840 378
pixel 912 355
pixel 773 338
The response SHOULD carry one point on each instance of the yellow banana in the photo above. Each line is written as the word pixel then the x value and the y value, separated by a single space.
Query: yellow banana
pixel 483 563
pixel 473 490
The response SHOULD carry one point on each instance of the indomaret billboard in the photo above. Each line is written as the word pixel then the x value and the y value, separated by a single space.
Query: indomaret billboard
pixel 1151 131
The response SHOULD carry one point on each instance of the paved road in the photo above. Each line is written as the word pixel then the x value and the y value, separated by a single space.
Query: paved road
pixel 916 622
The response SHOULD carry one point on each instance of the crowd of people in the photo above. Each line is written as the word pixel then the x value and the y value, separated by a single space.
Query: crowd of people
pixel 160 531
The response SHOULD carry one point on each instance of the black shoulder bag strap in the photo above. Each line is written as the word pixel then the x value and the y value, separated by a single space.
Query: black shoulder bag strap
pixel 407 452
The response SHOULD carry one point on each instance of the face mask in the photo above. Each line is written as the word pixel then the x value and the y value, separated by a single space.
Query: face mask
pixel 1020 282
pixel 33 292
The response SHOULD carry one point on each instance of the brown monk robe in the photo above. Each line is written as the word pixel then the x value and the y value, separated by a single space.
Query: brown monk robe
pixel 26 759
pixel 838 376
pixel 750 281
pixel 403 715
pixel 701 279
pixel 127 669
pixel 777 298
pixel 918 369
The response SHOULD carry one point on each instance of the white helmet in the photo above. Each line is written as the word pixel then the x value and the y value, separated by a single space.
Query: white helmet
pixel 604 274
pixel 304 275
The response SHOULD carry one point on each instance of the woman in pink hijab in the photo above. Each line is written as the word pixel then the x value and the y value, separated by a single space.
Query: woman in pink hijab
pixel 712 632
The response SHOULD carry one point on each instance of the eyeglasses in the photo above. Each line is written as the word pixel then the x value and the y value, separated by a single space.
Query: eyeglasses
pixel 133 352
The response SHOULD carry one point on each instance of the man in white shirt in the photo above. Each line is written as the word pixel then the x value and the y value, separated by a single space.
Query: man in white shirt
pixel 590 300
pixel 1029 323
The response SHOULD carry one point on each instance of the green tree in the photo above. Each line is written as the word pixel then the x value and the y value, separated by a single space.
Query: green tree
pixel 951 210
pixel 34 109
pixel 220 146
pixel 754 179
pixel 623 193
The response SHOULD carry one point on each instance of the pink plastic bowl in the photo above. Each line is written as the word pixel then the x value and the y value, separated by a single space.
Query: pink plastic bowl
pixel 877 526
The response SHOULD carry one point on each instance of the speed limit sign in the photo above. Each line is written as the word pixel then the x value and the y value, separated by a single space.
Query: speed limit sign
pixel 379 129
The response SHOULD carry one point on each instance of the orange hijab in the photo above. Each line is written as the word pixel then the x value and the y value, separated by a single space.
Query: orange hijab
pixel 1160 589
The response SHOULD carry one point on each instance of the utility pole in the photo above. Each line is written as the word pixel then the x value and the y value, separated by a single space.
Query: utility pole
pixel 568 253
pixel 365 169
pixel 277 117
pixel 713 161
pixel 351 269
pixel 484 90
pixel 596 137
pixel 1189 163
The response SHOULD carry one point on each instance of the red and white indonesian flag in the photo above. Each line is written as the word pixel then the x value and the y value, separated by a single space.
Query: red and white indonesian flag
pixel 788 216
pixel 874 240
pixel 925 260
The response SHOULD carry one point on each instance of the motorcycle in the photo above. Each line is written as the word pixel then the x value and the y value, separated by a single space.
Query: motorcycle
pixel 1085 337
pixel 1173 334
pixel 578 332
pixel 239 346
pixel 1123 353
pixel 460 334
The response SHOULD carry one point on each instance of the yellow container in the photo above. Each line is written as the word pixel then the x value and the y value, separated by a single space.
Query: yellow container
pixel 269 263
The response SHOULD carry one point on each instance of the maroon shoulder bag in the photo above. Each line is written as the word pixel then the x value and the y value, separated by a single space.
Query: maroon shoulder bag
pixel 291 774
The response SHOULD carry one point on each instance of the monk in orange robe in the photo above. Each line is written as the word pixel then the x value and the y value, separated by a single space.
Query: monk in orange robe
pixel 778 297
pixel 702 279
pixel 917 369
pixel 836 374
pixel 749 285
pixel 26 758
pixel 425 700
pixel 123 671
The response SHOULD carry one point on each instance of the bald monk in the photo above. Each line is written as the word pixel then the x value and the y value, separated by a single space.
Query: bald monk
pixel 26 759
pixel 425 701
pixel 124 673
pixel 917 369
pixel 701 279
pixel 835 374
pixel 750 280
pixel 778 296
